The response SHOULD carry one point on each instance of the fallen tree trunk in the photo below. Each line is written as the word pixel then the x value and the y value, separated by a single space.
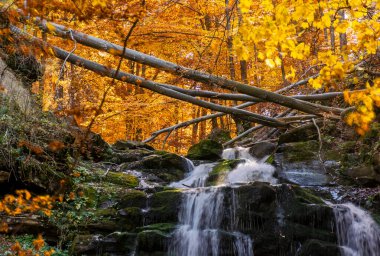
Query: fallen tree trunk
pixel 243 97
pixel 252 129
pixel 188 73
pixel 150 85
pixel 215 115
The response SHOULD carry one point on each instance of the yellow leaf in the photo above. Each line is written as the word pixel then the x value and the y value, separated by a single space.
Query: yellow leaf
pixel 270 63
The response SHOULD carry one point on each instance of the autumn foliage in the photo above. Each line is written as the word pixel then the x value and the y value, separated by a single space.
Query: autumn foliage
pixel 268 44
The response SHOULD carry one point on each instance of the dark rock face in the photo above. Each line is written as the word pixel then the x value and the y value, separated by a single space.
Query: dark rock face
pixel 205 150
pixel 280 219
pixel 262 149
pixel 219 135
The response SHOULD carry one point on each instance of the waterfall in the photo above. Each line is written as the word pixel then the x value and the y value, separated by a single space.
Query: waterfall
pixel 358 234
pixel 201 231
pixel 250 170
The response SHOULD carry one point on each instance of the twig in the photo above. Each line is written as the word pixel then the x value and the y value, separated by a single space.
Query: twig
pixel 320 144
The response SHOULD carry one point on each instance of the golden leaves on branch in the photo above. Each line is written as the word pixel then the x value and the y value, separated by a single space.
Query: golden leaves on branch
pixel 364 102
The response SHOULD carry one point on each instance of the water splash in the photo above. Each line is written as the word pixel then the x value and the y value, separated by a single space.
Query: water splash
pixel 196 178
pixel 358 234
pixel 251 170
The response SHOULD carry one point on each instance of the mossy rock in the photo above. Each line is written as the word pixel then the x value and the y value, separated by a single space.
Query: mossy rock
pixel 166 166
pixel 220 171
pixel 304 195
pixel 133 198
pixel 98 193
pixel 299 151
pixel 132 217
pixel 116 243
pixel 219 135
pixel 164 206
pixel 163 227
pixel 152 241
pixel 123 179
pixel 205 150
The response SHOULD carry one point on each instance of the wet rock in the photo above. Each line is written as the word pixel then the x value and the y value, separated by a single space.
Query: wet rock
pixel 262 149
pixel 166 166
pixel 133 198
pixel 164 207
pixel 315 247
pixel 299 163
pixel 152 242
pixel 116 243
pixel 205 150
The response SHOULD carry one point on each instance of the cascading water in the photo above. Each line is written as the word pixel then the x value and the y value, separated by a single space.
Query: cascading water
pixel 358 234
pixel 202 210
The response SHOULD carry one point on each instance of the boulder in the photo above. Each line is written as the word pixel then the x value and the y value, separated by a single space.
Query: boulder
pixel 116 243
pixel 219 135
pixel 125 145
pixel 315 247
pixel 262 149
pixel 299 163
pixel 205 150
pixel 164 207
pixel 364 175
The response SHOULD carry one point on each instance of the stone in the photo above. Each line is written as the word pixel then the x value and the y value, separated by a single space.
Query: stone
pixel 219 135
pixel 299 163
pixel 364 175
pixel 262 149
pixel 205 150
pixel 315 247
pixel 125 145
pixel 164 207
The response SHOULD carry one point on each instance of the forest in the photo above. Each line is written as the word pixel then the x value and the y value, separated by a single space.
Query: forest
pixel 190 127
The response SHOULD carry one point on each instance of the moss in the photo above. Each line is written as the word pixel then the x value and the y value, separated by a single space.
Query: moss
pixel 152 241
pixel 220 171
pixel 133 198
pixel 105 213
pixel 122 179
pixel 306 196
pixel 165 206
pixel 132 218
pixel 270 159
pixel 300 151
pixel 205 150
pixel 163 227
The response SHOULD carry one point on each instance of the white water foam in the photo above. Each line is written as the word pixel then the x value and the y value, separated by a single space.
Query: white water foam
pixel 251 170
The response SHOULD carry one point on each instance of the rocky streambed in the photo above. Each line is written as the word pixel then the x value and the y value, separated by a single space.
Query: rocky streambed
pixel 266 199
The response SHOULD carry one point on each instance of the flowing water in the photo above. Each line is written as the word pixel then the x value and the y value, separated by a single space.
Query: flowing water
pixel 200 231
pixel 207 218
pixel 358 234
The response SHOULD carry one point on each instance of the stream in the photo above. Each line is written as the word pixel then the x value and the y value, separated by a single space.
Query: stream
pixel 209 226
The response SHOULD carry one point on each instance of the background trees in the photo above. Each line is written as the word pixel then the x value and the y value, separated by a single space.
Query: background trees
pixel 268 44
